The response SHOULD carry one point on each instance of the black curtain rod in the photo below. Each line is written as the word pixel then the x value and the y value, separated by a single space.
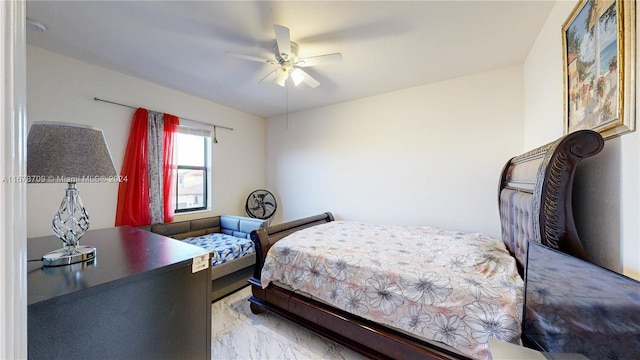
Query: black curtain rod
pixel 133 107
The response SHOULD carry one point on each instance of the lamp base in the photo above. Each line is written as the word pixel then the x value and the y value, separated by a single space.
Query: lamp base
pixel 60 257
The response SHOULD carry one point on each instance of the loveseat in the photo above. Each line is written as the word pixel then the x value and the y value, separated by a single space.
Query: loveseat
pixel 229 276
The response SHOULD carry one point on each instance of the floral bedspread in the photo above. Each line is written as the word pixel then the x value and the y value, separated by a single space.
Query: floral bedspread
pixel 456 288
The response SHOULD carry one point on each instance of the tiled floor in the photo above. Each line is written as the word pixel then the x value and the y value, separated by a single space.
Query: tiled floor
pixel 236 333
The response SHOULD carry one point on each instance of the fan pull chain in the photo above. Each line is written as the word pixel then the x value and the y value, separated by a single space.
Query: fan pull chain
pixel 215 136
pixel 286 105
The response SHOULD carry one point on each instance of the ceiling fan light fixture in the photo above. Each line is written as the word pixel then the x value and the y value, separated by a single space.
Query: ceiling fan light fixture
pixel 297 77
pixel 281 76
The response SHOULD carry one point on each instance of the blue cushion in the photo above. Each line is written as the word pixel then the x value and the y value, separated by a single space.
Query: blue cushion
pixel 223 246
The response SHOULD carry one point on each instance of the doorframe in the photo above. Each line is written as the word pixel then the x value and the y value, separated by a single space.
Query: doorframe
pixel 13 188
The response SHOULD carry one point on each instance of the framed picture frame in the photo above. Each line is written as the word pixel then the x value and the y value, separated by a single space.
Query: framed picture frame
pixel 598 41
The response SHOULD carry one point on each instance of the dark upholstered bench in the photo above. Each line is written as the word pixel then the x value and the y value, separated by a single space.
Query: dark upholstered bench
pixel 229 276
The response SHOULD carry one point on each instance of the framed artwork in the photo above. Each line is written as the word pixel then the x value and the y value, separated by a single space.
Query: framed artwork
pixel 598 41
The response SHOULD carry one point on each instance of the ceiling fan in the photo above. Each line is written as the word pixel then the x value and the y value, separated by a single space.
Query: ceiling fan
pixel 289 65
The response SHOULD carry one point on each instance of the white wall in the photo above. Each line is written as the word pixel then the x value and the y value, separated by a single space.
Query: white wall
pixel 62 89
pixel 429 155
pixel 606 200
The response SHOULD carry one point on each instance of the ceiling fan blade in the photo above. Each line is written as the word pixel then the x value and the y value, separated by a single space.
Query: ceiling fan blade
pixel 283 40
pixel 308 79
pixel 251 58
pixel 320 59
pixel 270 76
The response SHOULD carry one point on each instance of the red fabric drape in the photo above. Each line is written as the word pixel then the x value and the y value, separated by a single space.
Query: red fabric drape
pixel 133 194
pixel 171 124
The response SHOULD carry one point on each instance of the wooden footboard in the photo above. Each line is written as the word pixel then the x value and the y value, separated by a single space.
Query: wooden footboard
pixel 265 238
pixel 360 335
pixel 363 336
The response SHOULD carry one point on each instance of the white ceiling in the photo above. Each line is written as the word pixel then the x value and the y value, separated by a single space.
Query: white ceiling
pixel 386 45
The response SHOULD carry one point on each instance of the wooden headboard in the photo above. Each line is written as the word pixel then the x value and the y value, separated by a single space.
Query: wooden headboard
pixel 535 195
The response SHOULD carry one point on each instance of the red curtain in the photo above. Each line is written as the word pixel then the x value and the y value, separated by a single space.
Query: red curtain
pixel 133 194
pixel 171 124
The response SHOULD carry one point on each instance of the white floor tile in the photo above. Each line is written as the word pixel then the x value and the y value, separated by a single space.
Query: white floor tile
pixel 239 334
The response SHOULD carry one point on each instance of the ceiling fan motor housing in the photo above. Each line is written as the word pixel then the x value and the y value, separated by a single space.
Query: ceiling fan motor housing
pixel 283 59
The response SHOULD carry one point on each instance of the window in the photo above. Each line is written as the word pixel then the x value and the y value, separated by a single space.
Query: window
pixel 191 153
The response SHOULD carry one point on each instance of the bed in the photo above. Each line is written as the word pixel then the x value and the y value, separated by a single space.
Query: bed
pixel 574 306
pixel 227 239
pixel 534 198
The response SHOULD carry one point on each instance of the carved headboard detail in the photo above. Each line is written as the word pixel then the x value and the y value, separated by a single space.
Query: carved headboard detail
pixel 538 184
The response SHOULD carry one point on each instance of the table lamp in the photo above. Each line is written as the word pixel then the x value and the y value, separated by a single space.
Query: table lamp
pixel 68 153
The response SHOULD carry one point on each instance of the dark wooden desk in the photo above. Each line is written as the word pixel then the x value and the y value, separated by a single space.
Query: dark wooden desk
pixel 137 300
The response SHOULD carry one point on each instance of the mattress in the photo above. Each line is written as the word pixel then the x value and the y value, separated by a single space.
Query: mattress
pixel 224 247
pixel 456 288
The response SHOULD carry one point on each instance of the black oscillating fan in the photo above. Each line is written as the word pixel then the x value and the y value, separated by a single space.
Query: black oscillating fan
pixel 261 204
